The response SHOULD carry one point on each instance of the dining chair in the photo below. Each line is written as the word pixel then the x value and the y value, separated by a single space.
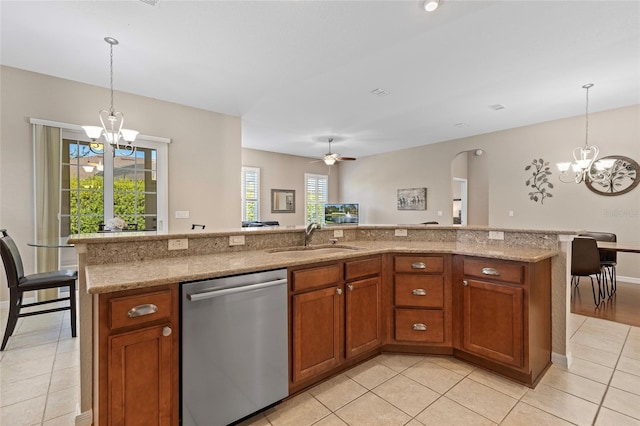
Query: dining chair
pixel 608 259
pixel 19 284
pixel 585 262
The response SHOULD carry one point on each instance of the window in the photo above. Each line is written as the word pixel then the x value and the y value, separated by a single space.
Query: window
pixel 98 184
pixel 250 193
pixel 315 196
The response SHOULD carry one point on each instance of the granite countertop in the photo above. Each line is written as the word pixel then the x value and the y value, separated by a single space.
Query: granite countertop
pixel 107 278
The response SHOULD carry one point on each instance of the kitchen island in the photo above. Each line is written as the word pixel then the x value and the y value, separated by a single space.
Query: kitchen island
pixel 151 264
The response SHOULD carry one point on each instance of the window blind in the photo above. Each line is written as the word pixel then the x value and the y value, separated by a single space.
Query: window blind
pixel 316 196
pixel 250 193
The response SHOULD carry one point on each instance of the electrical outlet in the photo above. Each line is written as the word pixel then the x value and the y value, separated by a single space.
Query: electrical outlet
pixel 401 233
pixel 337 233
pixel 510 213
pixel 496 235
pixel 179 244
pixel 182 214
pixel 236 240
pixel 439 212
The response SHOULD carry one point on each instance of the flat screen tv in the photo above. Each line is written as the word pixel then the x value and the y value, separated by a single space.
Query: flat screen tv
pixel 341 214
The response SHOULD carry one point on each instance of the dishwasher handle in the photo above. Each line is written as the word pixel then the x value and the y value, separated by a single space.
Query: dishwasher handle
pixel 209 294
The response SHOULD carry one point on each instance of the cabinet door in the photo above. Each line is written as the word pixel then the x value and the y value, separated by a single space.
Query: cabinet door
pixel 363 317
pixel 315 332
pixel 493 321
pixel 140 375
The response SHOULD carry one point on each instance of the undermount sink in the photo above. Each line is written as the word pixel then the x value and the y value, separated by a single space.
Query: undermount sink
pixel 316 250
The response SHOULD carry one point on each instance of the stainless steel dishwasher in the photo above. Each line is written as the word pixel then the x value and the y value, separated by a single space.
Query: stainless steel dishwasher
pixel 234 351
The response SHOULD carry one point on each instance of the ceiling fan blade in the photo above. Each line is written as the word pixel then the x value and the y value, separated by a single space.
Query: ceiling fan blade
pixel 345 158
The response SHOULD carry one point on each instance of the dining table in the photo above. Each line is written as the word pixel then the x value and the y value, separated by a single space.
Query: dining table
pixel 625 247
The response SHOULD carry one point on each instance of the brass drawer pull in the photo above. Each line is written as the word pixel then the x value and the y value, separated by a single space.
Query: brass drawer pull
pixel 418 265
pixel 419 327
pixel 419 292
pixel 490 271
pixel 141 310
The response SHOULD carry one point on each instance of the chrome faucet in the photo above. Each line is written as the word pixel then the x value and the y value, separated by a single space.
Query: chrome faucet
pixel 309 231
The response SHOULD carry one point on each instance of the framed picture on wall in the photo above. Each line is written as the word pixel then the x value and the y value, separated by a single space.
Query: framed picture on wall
pixel 283 201
pixel 412 199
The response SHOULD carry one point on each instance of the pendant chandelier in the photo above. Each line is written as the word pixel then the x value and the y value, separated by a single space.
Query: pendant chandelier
pixel 586 166
pixel 112 121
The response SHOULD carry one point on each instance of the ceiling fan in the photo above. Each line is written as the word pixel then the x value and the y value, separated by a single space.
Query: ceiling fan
pixel 330 158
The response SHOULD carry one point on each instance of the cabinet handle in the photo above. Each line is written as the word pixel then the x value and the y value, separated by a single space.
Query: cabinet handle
pixel 465 283
pixel 142 310
pixel 338 291
pixel 419 292
pixel 418 265
pixel 490 271
pixel 419 327
pixel 350 287
pixel 166 331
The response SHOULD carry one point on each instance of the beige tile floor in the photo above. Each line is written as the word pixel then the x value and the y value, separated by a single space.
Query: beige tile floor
pixel 39 372
pixel 39 385
pixel 602 387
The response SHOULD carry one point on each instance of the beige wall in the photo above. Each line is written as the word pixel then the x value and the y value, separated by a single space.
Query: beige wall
pixel 209 189
pixel 282 171
pixel 373 181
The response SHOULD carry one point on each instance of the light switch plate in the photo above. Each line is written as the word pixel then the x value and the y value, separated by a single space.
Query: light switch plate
pixel 179 244
pixel 236 240
pixel 182 214
pixel 401 232
pixel 337 233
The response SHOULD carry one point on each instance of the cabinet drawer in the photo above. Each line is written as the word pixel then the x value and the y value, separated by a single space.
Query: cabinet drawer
pixel 361 268
pixel 494 270
pixel 419 290
pixel 419 325
pixel 419 264
pixel 139 309
pixel 305 279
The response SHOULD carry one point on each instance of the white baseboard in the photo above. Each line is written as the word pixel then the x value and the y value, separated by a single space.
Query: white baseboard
pixel 628 280
pixel 83 419
pixel 561 360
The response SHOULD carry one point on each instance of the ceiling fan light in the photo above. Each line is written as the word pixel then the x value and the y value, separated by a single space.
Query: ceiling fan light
pixel 330 160
pixel 431 5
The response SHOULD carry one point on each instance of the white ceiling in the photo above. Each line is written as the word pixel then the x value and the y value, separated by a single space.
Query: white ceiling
pixel 297 71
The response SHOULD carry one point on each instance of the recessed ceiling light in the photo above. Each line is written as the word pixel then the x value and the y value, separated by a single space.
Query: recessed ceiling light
pixel 379 92
pixel 151 2
pixel 497 107
pixel 461 125
pixel 431 5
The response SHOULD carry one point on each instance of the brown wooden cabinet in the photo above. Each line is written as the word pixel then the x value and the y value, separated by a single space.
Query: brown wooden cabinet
pixel 316 334
pixel 138 357
pixel 503 315
pixel 421 315
pixel 335 316
pixel 363 310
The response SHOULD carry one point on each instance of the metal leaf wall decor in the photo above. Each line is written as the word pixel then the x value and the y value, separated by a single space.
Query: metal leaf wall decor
pixel 539 180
